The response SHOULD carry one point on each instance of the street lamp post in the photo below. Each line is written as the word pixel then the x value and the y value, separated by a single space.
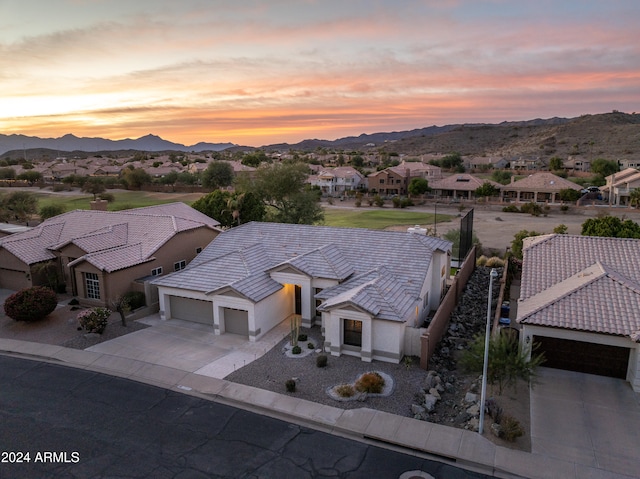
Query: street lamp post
pixel 485 366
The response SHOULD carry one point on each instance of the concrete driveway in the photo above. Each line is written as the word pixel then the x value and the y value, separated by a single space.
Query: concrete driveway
pixel 190 347
pixel 592 420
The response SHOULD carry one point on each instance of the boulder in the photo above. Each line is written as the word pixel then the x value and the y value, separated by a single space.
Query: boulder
pixel 470 398
pixel 434 392
pixel 473 410
pixel 430 402
pixel 417 410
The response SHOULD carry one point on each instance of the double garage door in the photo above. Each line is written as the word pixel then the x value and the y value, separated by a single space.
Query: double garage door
pixel 198 311
pixel 590 358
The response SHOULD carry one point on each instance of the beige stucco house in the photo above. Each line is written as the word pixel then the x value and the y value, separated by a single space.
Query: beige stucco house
pixel 619 186
pixel 100 255
pixel 364 287
pixel 580 300
pixel 462 185
pixel 538 187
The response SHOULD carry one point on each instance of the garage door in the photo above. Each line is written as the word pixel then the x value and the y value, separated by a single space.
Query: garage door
pixel 16 280
pixel 195 310
pixel 236 321
pixel 582 357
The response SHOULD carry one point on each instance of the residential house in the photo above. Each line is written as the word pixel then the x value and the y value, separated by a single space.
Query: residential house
pixel 395 179
pixel 481 163
pixel 337 181
pixel 577 163
pixel 527 164
pixel 618 186
pixel 99 255
pixel 580 300
pixel 461 185
pixel 364 287
pixel 538 187
pixel 629 163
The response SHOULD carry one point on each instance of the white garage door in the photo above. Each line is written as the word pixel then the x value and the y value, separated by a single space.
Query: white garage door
pixel 236 321
pixel 195 310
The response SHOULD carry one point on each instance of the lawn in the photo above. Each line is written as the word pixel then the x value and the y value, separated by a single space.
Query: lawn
pixel 123 199
pixel 379 219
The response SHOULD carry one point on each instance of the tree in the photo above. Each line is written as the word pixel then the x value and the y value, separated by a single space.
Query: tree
pixel 610 226
pixel 561 229
pixel 170 178
pixel 7 173
pixel 94 186
pixel 30 177
pixel 508 360
pixel 501 176
pixel 218 174
pixel 49 211
pixel 555 164
pixel 18 206
pixel 283 190
pixel 516 244
pixel 231 209
pixel 569 194
pixel 418 186
pixel 603 167
pixel 135 177
pixel 487 189
pixel 254 159
pixel 634 197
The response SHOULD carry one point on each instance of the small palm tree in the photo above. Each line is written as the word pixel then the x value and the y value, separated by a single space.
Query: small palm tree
pixel 634 197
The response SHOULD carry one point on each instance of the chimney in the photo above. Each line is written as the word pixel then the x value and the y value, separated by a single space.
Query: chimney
pixel 513 179
pixel 99 205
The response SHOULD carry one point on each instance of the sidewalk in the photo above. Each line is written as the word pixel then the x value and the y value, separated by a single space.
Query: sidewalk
pixel 464 448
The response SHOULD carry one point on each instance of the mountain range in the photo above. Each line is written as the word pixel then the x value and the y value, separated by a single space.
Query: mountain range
pixel 68 143
pixel 612 135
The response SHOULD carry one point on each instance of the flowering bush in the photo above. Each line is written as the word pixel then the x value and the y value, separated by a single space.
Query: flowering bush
pixel 31 304
pixel 94 320
pixel 370 382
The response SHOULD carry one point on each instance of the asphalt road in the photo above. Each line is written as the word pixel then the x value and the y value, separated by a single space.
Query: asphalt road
pixel 80 424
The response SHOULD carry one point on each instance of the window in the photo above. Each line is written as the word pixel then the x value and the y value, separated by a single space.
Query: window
pixel 178 266
pixel 353 332
pixel 382 181
pixel 93 285
pixel 156 271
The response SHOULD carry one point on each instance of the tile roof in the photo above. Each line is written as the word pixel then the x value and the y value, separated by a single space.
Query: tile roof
pixel 584 283
pixel 461 182
pixel 242 257
pixel 543 181
pixel 119 237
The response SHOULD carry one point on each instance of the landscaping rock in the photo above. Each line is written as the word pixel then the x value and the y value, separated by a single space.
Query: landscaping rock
pixel 473 410
pixel 470 398
pixel 430 402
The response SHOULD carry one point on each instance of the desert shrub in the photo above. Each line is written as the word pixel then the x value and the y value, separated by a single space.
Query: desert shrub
pixel 135 299
pixel 406 202
pixel 396 202
pixel 296 350
pixel 358 203
pixel 310 345
pixel 511 209
pixel 370 382
pixel 495 410
pixel 345 390
pixel 533 209
pixel 31 304
pixel 511 428
pixel 290 384
pixel 564 208
pixel 481 261
pixel 302 337
pixel 494 262
pixel 94 320
pixel 378 201
pixel 321 361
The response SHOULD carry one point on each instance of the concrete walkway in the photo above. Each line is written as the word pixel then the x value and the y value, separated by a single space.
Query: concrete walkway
pixel 464 448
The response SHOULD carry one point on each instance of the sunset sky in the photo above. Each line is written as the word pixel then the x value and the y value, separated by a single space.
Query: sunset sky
pixel 262 72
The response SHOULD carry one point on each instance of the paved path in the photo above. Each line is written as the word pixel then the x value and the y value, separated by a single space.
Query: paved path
pixel 106 426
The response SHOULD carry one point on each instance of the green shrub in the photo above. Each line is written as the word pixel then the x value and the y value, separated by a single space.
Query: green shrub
pixel 302 337
pixel 511 428
pixel 533 209
pixel 31 304
pixel 135 299
pixel 370 382
pixel 94 320
pixel 406 202
pixel 310 345
pixel 290 384
pixel 345 390
pixel 321 361
pixel 511 209
pixel 296 350
pixel 73 302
